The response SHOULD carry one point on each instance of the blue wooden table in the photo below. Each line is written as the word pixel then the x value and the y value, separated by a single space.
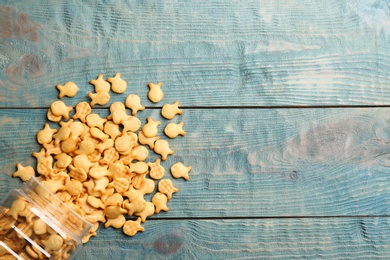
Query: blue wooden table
pixel 286 106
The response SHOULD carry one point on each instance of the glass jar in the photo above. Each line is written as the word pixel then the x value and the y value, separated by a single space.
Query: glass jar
pixel 35 224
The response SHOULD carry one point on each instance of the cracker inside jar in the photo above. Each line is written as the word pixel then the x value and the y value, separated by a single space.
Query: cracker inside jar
pixel 107 159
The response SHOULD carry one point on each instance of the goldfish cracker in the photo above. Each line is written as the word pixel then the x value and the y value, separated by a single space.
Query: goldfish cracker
pixel 131 227
pixel 150 129
pixel 94 120
pixel 155 93
pixel 166 186
pixel 156 170
pixel 172 130
pixel 131 123
pixel 178 170
pixel 17 206
pixel 147 212
pixel 117 222
pixel 58 108
pixel 24 173
pixel 99 98
pixel 161 147
pixel 169 111
pixel 45 135
pixel 69 89
pixel 83 109
pixel 160 202
pixel 134 103
pixel 100 84
pixel 150 141
pixel 118 85
pixel 101 185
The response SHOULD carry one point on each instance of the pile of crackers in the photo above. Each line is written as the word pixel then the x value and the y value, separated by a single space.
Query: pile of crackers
pixel 99 166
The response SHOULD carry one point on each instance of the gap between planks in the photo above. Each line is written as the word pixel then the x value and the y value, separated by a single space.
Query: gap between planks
pixel 269 217
pixel 230 107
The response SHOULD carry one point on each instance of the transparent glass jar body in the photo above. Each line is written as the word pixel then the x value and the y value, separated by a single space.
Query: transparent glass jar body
pixel 35 224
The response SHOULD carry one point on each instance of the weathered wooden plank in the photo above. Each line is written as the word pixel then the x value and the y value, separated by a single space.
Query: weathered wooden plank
pixel 330 238
pixel 207 53
pixel 256 162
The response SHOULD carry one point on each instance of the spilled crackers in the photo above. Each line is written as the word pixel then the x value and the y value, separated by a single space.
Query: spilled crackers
pixel 100 167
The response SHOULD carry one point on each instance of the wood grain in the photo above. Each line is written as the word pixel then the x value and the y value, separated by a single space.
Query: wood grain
pixel 330 238
pixel 256 162
pixel 241 53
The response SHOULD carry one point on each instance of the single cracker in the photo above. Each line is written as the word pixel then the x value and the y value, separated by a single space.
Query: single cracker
pixel 98 171
pixel 119 184
pixel 95 216
pixel 178 170
pixel 101 185
pixel 53 242
pixel 59 108
pixel 99 134
pixel 94 120
pixel 172 130
pixel 76 129
pixel 100 84
pixel 139 167
pixel 150 141
pixel 82 161
pixel 114 107
pixel 150 129
pixel 102 146
pixel 140 153
pixel 114 199
pixel 116 222
pixel 17 206
pixel 147 212
pixel 69 89
pixel 166 186
pixel 45 135
pixel 131 123
pixel 95 202
pixel 73 187
pixel 52 117
pixel 118 85
pixel 136 206
pixel 63 161
pixel 24 173
pixel 62 134
pixel 109 156
pixel 156 170
pixel 83 109
pixel 69 145
pixel 148 187
pixel 111 129
pixel 134 103
pixel 131 227
pixel 138 181
pixel 160 202
pixel 85 147
pixel 169 111
pixel 114 211
pixel 125 142
pixel 155 93
pixel 161 147
pixel 99 98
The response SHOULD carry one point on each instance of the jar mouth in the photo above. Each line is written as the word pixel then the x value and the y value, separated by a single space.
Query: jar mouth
pixel 52 210
pixel 60 221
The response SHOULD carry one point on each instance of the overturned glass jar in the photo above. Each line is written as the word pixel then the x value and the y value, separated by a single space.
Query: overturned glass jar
pixel 35 224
